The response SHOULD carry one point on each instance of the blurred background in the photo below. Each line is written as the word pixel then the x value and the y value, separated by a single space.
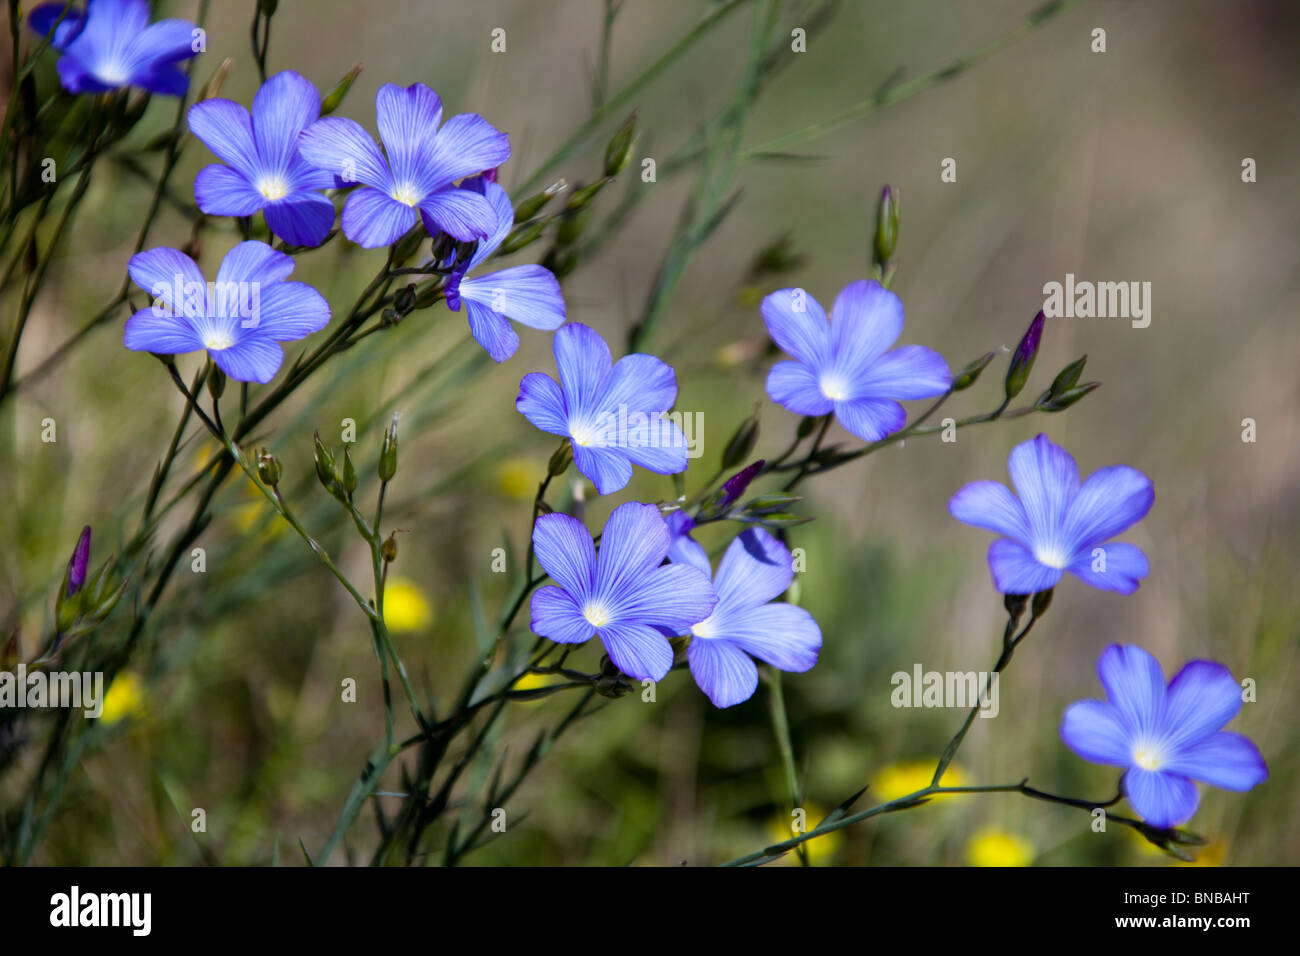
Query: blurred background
pixel 1116 166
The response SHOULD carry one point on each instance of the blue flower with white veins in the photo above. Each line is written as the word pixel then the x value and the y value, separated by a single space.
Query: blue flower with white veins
pixel 625 594
pixel 264 171
pixel 113 45
pixel 611 411
pixel 748 620
pixel 843 363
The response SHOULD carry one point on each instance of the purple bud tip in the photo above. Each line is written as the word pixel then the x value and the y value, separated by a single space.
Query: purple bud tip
pixel 490 176
pixel 735 486
pixel 885 195
pixel 80 560
pixel 1028 346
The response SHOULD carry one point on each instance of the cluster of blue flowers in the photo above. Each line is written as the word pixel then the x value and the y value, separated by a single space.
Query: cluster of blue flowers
pixel 649 583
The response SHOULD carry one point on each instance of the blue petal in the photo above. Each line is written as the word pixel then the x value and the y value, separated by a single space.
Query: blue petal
pixel 756 568
pixel 1135 685
pixel 343 148
pixel 460 213
pixel 1047 479
pixel 1125 565
pixel 1110 501
pixel 865 321
pixel 291 310
pixel 724 672
pixel 653 441
pixel 528 294
pixel 372 219
pixel 1094 730
pixel 607 468
pixel 682 548
pixel 166 79
pixel 305 219
pixel 499 200
pixel 225 128
pixel 166 334
pixel 640 383
pixel 466 144
pixel 634 540
pixel 253 261
pixel 1200 699
pixel 42 19
pixel 1017 571
pixel 254 358
pixel 795 386
pixel 637 650
pixel 798 324
pixel 491 331
pixel 542 403
pixel 556 616
pixel 564 549
pixel 990 505
pixel 584 362
pixel 158 271
pixel 784 635
pixel 164 42
pixel 672 597
pixel 223 191
pixel 283 107
pixel 408 123
pixel 1161 799
pixel 910 371
pixel 1226 760
pixel 871 419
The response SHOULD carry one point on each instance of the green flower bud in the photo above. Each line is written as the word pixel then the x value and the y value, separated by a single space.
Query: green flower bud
pixel 530 207
pixel 325 468
pixel 571 226
pixel 560 459
pixel 619 150
pixel 216 382
pixel 886 226
pixel 388 453
pixel 968 376
pixel 388 550
pixel 520 237
pixel 349 472
pixel 1041 602
pixel 1067 377
pixel 335 97
pixel 742 442
pixel 1067 398
pixel 268 468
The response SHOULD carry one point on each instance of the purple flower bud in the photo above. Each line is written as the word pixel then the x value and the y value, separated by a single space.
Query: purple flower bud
pixel 80 560
pixel 735 486
pixel 1023 359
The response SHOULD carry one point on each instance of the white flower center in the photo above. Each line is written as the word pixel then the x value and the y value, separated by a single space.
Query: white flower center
pixel 406 194
pixel 112 73
pixel 217 340
pixel 584 433
pixel 597 614
pixel 1052 556
pixel 705 629
pixel 273 187
pixel 1148 756
pixel 834 387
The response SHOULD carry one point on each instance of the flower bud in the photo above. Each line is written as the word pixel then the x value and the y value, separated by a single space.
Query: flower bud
pixel 522 236
pixel 1067 398
pixel 77 565
pixel 325 468
pixel 268 468
pixel 1067 378
pixel 1041 602
pixel 1023 359
pixel 349 472
pixel 967 376
pixel 571 225
pixel 530 207
pixel 619 150
pixel 388 453
pixel 886 226
pixel 388 550
pixel 335 96
pixel 560 459
pixel 742 442
pixel 216 382
pixel 213 86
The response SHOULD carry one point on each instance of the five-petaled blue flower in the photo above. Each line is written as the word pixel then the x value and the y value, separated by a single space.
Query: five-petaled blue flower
pixel 625 595
pixel 528 294
pixel 1058 525
pixel 264 170
pixel 612 412
pixel 755 570
pixel 113 45
pixel 1167 737
pixel 240 319
pixel 423 162
pixel 844 364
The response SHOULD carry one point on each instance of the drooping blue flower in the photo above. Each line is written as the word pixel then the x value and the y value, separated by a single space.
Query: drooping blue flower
pixel 414 180
pixel 624 595
pixel 528 294
pixel 264 171
pixel 113 45
pixel 748 620
pixel 1166 737
pixel 612 412
pixel 843 364
pixel 240 319
pixel 1058 525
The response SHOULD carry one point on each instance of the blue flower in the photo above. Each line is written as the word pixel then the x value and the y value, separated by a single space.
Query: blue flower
pixel 612 412
pixel 264 170
pixel 1058 525
pixel 528 294
pixel 747 620
pixel 1167 737
pixel 113 45
pixel 240 319
pixel 842 365
pixel 418 172
pixel 625 595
